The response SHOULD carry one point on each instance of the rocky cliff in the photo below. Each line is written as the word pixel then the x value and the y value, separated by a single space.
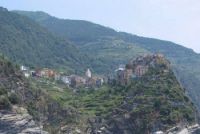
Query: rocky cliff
pixel 15 94
pixel 15 122
pixel 151 102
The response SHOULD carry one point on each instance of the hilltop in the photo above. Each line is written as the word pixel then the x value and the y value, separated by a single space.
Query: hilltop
pixel 153 99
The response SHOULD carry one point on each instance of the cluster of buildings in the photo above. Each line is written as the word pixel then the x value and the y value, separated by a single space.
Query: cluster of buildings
pixel 126 74
pixel 45 72
pixel 74 81
pixel 139 67
pixel 123 75
pixel 87 81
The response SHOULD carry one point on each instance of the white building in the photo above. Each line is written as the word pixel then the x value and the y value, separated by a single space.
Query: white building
pixel 26 74
pixel 66 80
pixel 88 73
pixel 120 68
pixel 23 68
pixel 25 71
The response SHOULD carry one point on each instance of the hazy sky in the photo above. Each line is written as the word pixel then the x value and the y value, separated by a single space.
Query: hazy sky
pixel 174 20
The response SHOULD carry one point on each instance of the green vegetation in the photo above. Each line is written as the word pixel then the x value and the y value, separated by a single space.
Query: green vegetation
pixel 7 70
pixel 156 98
pixel 163 97
pixel 78 31
pixel 109 48
pixel 25 42
pixel 4 102
pixel 18 91
pixel 109 52
pixel 89 102
pixel 14 99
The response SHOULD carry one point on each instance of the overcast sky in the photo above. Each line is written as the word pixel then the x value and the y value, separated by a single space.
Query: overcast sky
pixel 174 20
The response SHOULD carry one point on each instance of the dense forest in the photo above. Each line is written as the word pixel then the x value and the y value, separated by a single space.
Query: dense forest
pixel 26 42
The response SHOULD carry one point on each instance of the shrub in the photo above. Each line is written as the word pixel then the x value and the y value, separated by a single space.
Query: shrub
pixel 4 102
pixel 2 91
pixel 157 104
pixel 14 99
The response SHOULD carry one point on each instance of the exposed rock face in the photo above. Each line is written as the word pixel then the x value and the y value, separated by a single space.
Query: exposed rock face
pixel 15 92
pixel 12 123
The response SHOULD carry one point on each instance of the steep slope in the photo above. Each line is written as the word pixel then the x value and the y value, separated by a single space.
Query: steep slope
pixel 12 85
pixel 24 107
pixel 112 48
pixel 14 93
pixel 185 62
pixel 75 30
pixel 12 122
pixel 152 102
pixel 26 42
pixel 103 46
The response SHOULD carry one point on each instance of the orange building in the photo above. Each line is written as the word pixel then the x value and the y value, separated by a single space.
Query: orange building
pixel 140 70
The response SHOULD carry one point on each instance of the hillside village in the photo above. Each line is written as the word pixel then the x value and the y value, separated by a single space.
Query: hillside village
pixel 74 81
pixel 77 77
pixel 123 75
pixel 136 70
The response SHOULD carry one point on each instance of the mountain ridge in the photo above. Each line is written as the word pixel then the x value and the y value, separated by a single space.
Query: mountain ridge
pixel 37 15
